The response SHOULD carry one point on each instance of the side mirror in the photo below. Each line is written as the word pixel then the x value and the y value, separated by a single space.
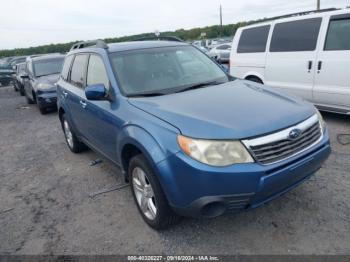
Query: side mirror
pixel 25 76
pixel 96 92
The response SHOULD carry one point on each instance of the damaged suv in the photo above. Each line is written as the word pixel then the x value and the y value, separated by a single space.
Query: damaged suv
pixel 190 139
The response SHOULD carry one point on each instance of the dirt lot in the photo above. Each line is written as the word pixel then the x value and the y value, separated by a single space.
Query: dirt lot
pixel 45 207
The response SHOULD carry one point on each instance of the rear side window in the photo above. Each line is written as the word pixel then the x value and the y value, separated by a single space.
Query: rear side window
pixel 66 67
pixel 77 76
pixel 296 36
pixel 338 37
pixel 97 72
pixel 253 40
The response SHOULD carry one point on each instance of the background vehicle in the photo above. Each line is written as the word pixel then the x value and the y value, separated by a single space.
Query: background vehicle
pixel 41 75
pixel 6 72
pixel 221 52
pixel 305 55
pixel 19 81
pixel 185 133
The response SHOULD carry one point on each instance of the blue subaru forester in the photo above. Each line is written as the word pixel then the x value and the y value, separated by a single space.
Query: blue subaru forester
pixel 192 140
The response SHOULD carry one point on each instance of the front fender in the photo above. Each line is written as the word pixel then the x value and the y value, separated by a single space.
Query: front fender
pixel 154 149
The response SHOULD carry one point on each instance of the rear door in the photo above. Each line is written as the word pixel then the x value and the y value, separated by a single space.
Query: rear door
pixel 290 63
pixel 74 93
pixel 332 80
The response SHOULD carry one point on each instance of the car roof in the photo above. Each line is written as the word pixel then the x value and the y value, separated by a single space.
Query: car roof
pixel 134 45
pixel 288 18
pixel 46 57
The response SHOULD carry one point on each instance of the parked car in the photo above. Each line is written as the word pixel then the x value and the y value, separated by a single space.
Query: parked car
pixel 6 72
pixel 192 140
pixel 19 81
pixel 221 53
pixel 305 55
pixel 42 73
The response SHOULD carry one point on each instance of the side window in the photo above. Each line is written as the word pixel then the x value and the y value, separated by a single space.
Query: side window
pixel 66 66
pixel 338 37
pixel 253 40
pixel 77 76
pixel 296 36
pixel 97 72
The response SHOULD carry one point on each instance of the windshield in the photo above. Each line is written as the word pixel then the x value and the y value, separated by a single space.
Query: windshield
pixel 164 70
pixel 48 67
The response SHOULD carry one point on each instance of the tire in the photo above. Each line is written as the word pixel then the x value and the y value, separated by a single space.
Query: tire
pixel 71 139
pixel 29 100
pixel 42 109
pixel 255 79
pixel 21 91
pixel 164 216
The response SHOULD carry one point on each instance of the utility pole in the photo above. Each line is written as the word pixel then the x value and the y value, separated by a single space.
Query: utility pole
pixel 318 4
pixel 220 20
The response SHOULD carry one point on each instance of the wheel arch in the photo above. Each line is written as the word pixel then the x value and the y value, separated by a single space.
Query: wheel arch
pixel 250 75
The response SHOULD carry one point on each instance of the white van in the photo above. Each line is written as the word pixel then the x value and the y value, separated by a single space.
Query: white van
pixel 306 55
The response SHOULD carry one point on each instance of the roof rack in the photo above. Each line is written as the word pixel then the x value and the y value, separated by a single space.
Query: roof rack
pixel 97 43
pixel 159 38
pixel 302 13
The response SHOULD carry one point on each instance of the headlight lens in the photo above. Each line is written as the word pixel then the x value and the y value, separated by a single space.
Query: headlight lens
pixel 215 152
pixel 320 119
pixel 44 86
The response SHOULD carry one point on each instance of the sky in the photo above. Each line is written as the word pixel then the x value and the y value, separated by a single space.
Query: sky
pixel 37 22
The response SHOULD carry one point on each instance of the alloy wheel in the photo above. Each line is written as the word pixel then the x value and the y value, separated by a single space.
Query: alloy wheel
pixel 144 193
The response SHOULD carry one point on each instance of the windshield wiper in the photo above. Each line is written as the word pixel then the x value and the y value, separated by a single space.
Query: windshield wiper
pixel 146 94
pixel 200 85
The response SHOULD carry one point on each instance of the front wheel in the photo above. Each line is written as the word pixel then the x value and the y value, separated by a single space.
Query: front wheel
pixel 149 196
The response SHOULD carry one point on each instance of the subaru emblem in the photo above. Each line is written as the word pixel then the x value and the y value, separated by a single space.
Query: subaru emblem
pixel 294 134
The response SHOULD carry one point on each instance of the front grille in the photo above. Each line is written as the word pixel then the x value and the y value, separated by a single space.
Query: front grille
pixel 278 146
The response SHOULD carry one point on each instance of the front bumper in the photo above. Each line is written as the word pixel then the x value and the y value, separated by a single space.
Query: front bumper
pixel 198 190
pixel 47 99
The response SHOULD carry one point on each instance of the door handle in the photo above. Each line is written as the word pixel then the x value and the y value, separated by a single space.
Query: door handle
pixel 65 94
pixel 319 66
pixel 309 66
pixel 82 103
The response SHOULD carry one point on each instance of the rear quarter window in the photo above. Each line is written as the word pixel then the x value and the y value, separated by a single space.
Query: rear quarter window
pixel 66 67
pixel 253 40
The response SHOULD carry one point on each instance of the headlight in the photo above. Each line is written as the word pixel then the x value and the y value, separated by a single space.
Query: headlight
pixel 320 119
pixel 215 152
pixel 44 86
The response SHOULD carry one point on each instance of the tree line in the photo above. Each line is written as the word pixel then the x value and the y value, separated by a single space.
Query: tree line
pixel 186 35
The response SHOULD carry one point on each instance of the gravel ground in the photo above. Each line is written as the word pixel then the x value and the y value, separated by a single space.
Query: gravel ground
pixel 46 208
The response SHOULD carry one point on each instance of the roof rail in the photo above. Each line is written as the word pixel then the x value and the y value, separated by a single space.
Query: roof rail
pixel 159 38
pixel 97 43
pixel 302 13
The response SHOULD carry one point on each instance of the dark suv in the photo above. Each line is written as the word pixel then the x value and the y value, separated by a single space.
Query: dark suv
pixel 41 75
pixel 191 139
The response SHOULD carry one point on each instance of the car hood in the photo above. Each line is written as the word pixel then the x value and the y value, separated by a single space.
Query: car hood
pixel 234 110
pixel 49 79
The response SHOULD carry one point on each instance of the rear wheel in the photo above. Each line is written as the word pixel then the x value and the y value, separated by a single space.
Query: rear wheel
pixel 72 141
pixel 21 91
pixel 148 195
